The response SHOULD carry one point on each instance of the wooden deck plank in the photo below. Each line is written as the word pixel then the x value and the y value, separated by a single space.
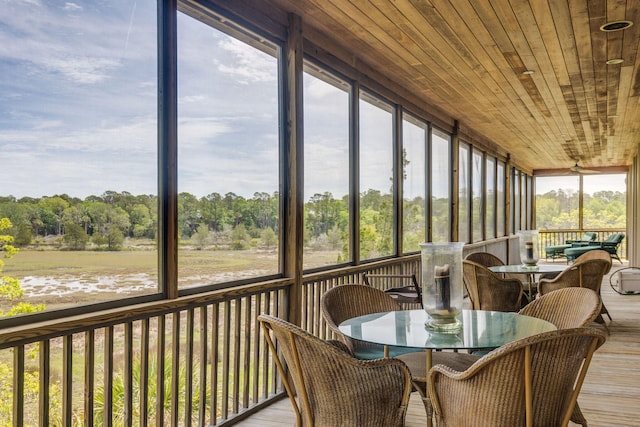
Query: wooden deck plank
pixel 608 398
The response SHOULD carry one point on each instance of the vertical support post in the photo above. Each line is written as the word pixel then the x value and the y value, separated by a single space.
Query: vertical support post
pixel 398 181
pixel 293 166
pixel 167 149
pixel 354 173
pixel 455 182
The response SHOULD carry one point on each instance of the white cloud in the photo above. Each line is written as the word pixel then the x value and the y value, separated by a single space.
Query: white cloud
pixel 72 6
pixel 82 117
pixel 82 69
pixel 250 65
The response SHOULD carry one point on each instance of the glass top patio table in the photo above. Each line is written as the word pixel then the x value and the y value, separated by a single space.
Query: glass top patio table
pixel 480 329
pixel 406 328
pixel 530 271
pixel 525 269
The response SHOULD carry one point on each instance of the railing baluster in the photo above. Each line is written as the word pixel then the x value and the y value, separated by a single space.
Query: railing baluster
pixel 144 374
pixel 204 357
pixel 89 375
pixel 18 386
pixel 255 392
pixel 189 361
pixel 215 358
pixel 128 374
pixel 67 379
pixel 237 317
pixel 246 351
pixel 108 376
pixel 175 368
pixel 266 354
pixel 44 371
pixel 226 350
pixel 160 366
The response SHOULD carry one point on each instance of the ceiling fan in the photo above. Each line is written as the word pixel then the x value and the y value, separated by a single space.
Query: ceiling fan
pixel 579 169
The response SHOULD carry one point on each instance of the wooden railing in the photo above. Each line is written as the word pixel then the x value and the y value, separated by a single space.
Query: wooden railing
pixel 196 360
pixel 558 237
pixel 316 284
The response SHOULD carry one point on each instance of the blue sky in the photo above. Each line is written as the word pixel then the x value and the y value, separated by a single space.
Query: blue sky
pixel 78 103
pixel 77 97
pixel 78 107
pixel 591 182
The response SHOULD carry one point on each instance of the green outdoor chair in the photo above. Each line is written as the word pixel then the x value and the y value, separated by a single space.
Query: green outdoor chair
pixel 611 245
pixel 557 251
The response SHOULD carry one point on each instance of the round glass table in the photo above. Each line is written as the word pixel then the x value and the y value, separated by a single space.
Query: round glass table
pixel 530 271
pixel 480 329
pixel 406 328
pixel 525 269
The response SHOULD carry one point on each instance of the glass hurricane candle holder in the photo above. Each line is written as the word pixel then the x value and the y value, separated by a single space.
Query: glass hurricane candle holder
pixel 528 247
pixel 442 287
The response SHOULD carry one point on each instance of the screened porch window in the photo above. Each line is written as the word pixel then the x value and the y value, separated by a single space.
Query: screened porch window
pixel 228 155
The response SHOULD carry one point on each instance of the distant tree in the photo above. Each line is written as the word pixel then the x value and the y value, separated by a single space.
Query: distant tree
pixel 140 217
pixel 75 236
pixel 239 237
pixel 55 206
pixel 10 289
pixel 189 214
pixel 24 236
pixel 213 211
pixel 99 239
pixel 78 215
pixel 269 237
pixel 202 237
pixel 115 238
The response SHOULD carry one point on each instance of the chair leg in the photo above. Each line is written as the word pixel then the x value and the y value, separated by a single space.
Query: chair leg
pixel 601 321
pixel 577 417
pixel 421 388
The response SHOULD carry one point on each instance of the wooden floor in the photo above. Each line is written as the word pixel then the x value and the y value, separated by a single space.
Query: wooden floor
pixel 610 396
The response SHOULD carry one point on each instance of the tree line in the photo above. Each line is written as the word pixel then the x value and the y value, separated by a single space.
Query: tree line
pixel 560 209
pixel 233 221
pixel 106 220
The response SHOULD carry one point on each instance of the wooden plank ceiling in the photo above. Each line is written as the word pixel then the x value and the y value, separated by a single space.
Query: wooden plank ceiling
pixel 527 75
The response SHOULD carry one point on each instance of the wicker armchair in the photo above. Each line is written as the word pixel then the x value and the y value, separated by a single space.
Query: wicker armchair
pixel 586 272
pixel 489 291
pixel 348 301
pixel 490 260
pixel 532 381
pixel 409 295
pixel 484 258
pixel 332 387
pixel 567 308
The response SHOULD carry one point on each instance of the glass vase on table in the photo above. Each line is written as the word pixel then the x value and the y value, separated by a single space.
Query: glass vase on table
pixel 442 287
pixel 529 243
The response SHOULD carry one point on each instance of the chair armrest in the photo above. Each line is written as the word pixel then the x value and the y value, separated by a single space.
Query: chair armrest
pixel 583 244
pixel 340 346
pixel 579 244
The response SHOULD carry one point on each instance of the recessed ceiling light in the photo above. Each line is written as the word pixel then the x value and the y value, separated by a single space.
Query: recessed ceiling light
pixel 616 26
pixel 615 61
pixel 527 72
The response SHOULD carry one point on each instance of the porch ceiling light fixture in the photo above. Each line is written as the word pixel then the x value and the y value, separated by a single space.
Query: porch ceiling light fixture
pixel 615 61
pixel 616 26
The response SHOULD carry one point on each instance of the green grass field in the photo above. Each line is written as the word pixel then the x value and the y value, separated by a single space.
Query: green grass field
pixel 63 278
